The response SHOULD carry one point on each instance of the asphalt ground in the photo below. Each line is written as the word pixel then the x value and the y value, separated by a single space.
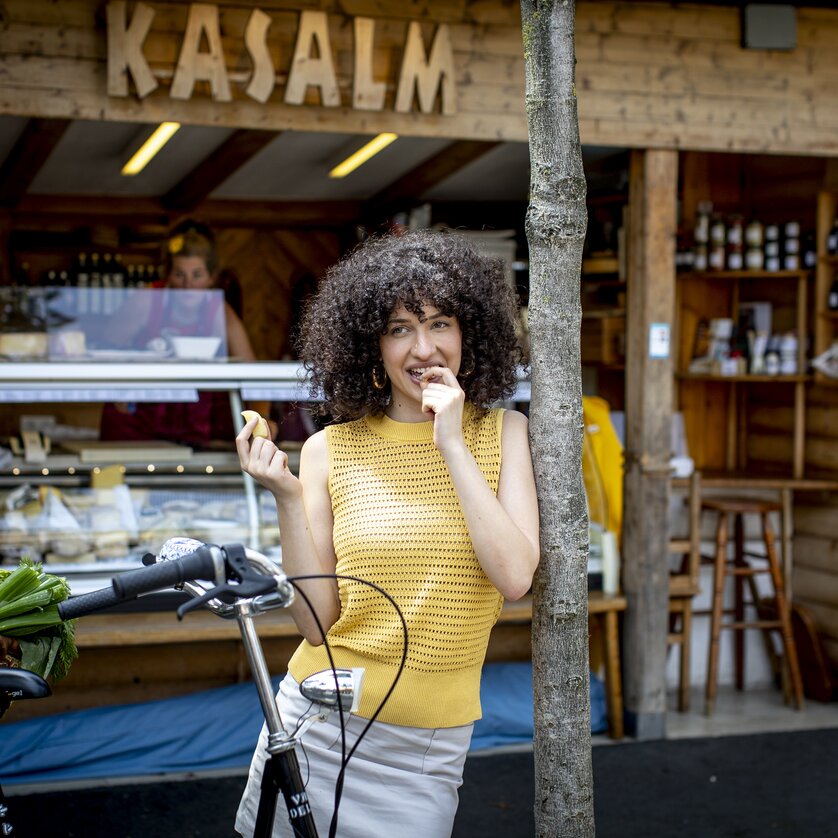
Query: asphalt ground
pixel 781 784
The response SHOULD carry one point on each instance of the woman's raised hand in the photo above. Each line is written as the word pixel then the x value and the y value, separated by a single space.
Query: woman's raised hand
pixel 443 400
pixel 265 463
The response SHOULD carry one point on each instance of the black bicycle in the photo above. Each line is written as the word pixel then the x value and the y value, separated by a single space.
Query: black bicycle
pixel 244 584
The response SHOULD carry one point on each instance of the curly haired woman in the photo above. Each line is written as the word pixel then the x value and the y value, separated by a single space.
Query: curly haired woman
pixel 423 489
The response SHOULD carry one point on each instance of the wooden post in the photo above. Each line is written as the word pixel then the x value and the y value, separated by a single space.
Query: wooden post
pixel 649 368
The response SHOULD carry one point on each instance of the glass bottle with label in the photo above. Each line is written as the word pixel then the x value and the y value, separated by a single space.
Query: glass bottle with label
pixel 735 238
pixel 832 239
pixel 772 247
pixel 791 246
pixel 754 256
pixel 832 298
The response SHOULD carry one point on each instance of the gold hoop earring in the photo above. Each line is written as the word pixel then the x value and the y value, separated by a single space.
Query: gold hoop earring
pixel 467 372
pixel 379 382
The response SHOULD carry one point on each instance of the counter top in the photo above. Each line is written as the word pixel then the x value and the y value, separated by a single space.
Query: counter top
pixel 94 381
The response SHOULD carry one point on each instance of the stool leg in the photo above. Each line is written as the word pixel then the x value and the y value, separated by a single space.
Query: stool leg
pixel 613 682
pixel 686 640
pixel 716 618
pixel 783 613
pixel 739 599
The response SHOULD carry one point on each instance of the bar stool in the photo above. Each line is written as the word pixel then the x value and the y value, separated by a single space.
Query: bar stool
pixel 742 570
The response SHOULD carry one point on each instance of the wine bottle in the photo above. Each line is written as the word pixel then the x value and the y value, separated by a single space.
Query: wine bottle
pixel 832 298
pixel 832 239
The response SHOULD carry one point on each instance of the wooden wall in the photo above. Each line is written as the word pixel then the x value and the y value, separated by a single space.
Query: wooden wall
pixel 769 430
pixel 815 576
pixel 648 74
pixel 269 264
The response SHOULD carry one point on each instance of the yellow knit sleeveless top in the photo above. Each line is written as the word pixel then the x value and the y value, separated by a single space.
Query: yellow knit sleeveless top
pixel 398 524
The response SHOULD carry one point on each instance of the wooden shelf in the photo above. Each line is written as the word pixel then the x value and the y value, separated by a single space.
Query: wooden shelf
pixel 760 479
pixel 601 265
pixel 747 378
pixel 602 283
pixel 599 313
pixel 735 276
pixel 732 447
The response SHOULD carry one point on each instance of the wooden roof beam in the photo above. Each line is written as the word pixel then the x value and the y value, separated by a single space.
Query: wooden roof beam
pixel 24 161
pixel 433 171
pixel 54 212
pixel 228 158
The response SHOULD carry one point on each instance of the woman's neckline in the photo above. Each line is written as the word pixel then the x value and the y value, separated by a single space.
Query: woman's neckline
pixel 395 429
pixel 403 431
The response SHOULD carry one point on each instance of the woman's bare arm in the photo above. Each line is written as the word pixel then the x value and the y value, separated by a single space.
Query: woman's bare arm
pixel 304 510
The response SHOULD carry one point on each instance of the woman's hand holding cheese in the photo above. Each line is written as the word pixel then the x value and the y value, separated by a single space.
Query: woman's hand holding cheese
pixel 263 461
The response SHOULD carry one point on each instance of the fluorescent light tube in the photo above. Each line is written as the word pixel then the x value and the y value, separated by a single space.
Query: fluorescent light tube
pixel 162 134
pixel 362 155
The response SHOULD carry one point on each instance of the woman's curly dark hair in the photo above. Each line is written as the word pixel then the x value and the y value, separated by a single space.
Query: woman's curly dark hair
pixel 343 322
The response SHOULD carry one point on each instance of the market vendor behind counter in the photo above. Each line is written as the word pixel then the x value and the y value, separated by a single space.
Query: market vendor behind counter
pixel 193 321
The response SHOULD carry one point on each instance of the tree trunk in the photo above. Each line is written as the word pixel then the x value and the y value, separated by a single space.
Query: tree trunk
pixel 556 221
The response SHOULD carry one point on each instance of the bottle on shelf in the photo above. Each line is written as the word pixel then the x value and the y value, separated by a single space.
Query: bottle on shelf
pixel 735 238
pixel 832 297
pixel 82 285
pixel 95 285
pixel 810 254
pixel 701 235
pixel 791 246
pixel 772 247
pixel 81 278
pixel 118 275
pixel 832 239
pixel 754 256
pixel 23 278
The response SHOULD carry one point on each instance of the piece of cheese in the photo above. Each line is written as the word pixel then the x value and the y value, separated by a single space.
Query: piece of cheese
pixel 24 344
pixel 261 428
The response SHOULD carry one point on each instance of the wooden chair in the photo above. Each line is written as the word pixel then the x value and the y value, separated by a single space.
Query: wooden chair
pixel 684 584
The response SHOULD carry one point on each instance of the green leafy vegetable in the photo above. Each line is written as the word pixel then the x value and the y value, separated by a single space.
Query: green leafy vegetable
pixel 29 612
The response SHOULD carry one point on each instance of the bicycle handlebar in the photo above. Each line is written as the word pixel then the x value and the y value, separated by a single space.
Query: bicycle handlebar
pixel 197 565
pixel 81 606
pixel 237 573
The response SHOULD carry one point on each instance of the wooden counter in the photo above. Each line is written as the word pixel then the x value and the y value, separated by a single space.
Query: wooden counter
pixel 130 657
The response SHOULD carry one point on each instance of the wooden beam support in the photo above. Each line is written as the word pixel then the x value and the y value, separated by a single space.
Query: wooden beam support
pixel 438 168
pixel 40 213
pixel 30 152
pixel 650 296
pixel 228 158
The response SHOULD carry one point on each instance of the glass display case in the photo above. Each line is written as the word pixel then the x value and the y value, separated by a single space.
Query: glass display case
pixel 111 324
pixel 90 508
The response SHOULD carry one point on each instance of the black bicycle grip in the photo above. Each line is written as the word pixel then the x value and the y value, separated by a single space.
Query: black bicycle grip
pixel 197 565
pixel 80 606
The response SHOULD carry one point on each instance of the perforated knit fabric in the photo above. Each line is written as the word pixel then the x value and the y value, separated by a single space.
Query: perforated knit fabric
pixel 398 524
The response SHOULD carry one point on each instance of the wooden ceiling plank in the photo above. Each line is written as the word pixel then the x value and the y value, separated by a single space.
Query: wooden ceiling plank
pixel 24 161
pixel 228 158
pixel 432 172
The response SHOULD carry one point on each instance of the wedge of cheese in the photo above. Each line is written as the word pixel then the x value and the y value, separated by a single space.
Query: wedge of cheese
pixel 261 428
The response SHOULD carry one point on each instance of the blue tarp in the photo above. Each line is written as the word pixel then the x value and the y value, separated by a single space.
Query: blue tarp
pixel 216 729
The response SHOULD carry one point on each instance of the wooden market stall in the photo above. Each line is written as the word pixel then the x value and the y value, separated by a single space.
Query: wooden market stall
pixel 702 111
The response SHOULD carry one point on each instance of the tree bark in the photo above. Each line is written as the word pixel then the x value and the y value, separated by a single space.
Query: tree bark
pixel 556 222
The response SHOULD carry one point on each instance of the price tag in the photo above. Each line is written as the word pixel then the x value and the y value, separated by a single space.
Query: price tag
pixel 659 340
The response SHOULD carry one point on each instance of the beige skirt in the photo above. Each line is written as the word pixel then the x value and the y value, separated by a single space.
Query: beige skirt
pixel 400 780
